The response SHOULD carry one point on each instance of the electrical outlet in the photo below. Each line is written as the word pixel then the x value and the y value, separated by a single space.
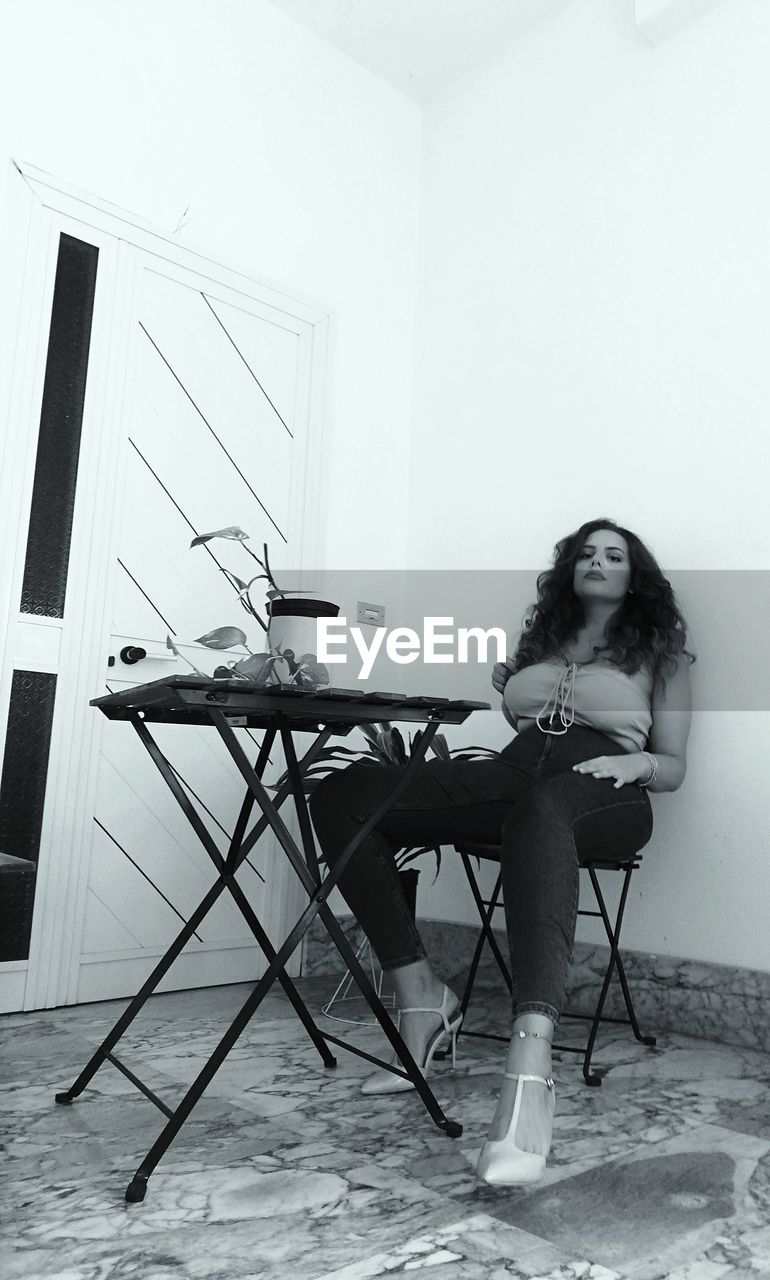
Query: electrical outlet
pixel 371 613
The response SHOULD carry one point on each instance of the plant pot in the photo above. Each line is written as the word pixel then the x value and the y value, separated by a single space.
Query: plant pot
pixel 408 878
pixel 293 628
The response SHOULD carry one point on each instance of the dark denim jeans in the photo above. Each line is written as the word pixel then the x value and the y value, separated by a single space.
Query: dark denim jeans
pixel 546 818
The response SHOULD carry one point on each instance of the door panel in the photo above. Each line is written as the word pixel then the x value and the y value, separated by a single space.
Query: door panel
pixel 201 407
pixel 211 440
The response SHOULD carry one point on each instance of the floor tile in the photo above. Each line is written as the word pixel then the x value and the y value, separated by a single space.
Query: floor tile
pixel 284 1169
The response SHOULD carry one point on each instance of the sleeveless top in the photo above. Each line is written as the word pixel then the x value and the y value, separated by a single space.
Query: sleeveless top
pixel 598 696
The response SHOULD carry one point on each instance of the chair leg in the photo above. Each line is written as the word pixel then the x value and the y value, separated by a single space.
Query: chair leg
pixel 649 1040
pixel 486 935
pixel 470 981
pixel 615 961
pixel 486 914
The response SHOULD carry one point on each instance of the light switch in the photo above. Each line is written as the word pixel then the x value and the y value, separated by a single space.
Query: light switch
pixel 371 613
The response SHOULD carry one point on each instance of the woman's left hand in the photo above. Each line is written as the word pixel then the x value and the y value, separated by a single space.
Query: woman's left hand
pixel 627 768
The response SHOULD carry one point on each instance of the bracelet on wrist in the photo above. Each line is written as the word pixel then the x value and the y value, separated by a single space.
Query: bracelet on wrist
pixel 653 762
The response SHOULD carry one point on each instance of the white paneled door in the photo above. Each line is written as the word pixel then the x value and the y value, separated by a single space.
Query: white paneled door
pixel 201 411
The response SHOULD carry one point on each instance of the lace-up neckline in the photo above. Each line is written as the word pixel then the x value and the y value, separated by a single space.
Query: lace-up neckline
pixel 557 706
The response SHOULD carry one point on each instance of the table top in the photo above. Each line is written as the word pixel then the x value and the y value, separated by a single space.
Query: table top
pixel 183 699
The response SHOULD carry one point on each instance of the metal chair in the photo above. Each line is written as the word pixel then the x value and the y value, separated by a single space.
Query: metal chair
pixel 486 908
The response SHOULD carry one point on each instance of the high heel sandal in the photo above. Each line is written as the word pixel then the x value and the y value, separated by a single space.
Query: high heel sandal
pixel 387 1082
pixel 503 1164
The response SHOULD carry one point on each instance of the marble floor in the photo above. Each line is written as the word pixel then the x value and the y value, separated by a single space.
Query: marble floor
pixel 285 1171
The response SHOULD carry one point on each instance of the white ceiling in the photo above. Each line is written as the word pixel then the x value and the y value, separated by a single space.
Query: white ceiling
pixel 419 46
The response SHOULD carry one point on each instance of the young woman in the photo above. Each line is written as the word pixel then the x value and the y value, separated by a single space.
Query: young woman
pixel 598 692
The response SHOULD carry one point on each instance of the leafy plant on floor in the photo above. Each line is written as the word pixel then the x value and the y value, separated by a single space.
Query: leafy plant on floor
pixel 385 746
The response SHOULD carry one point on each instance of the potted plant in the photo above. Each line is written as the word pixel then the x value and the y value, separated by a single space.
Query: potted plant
pixel 288 626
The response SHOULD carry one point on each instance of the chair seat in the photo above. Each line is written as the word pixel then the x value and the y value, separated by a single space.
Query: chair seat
pixel 491 852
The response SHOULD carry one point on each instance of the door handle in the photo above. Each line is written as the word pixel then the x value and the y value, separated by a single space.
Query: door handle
pixel 132 653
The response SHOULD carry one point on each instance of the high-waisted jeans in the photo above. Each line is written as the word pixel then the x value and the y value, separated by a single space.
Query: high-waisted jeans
pixel 546 818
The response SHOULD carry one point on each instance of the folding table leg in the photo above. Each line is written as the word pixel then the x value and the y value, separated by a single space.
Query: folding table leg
pixel 104 1052
pixel 319 892
pixel 228 876
pixel 277 959
pixel 130 1012
pixel 137 1187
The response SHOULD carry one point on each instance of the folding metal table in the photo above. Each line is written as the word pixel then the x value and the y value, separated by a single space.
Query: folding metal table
pixel 284 711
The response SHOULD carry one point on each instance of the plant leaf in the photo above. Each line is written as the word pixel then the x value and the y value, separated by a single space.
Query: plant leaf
pixel 322 766
pixel 411 854
pixel 233 532
pixel 256 667
pixel 222 638
pixel 170 645
pixel 398 750
pixel 439 747
pixel 380 755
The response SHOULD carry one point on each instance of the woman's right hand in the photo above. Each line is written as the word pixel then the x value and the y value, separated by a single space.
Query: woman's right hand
pixel 501 674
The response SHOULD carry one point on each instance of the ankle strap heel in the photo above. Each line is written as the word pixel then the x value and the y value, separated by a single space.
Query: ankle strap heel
pixel 517 1075
pixel 502 1162
pixel 442 1011
pixel 387 1081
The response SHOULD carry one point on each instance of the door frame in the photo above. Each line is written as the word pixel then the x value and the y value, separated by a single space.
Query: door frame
pixel 38 206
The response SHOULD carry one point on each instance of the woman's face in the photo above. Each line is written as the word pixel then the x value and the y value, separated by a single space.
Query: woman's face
pixel 603 568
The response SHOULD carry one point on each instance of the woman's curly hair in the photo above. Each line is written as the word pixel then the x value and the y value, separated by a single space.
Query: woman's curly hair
pixel 648 629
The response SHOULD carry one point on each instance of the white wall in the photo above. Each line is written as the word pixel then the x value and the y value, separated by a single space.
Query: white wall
pixel 297 164
pixel 592 340
pixel 592 318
